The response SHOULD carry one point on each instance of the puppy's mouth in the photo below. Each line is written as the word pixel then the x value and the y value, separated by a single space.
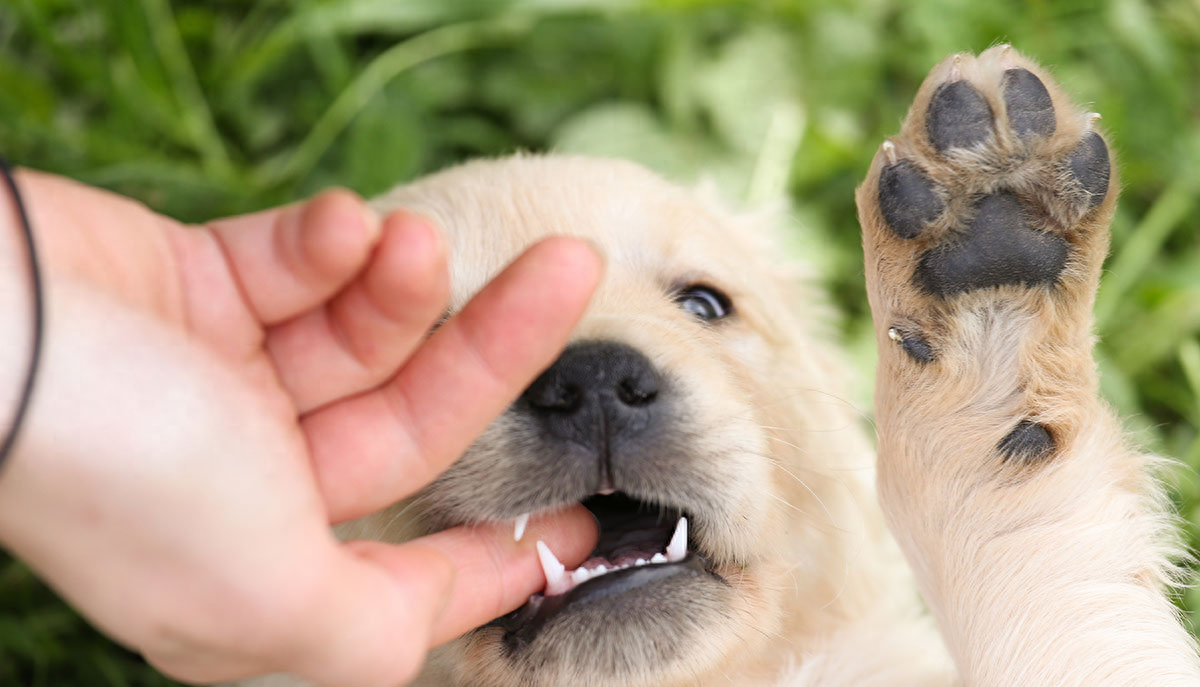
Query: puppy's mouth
pixel 640 546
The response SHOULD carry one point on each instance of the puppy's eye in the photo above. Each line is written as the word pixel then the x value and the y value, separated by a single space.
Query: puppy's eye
pixel 704 302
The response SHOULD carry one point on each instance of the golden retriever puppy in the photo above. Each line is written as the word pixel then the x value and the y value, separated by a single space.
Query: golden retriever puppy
pixel 699 413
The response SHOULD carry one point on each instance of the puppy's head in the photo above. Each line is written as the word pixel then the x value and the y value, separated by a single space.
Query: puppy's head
pixel 695 413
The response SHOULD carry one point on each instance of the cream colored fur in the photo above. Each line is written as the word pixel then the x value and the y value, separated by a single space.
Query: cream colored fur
pixel 1048 575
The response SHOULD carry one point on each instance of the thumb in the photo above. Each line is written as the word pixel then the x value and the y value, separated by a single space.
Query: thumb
pixel 376 622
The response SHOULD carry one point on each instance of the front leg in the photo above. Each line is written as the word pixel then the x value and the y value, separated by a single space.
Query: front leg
pixel 1038 536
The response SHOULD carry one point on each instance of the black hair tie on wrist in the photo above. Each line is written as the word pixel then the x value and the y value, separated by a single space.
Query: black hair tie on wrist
pixel 35 276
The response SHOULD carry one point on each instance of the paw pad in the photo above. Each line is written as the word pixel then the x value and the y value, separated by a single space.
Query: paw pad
pixel 998 247
pixel 958 117
pixel 1030 109
pixel 907 199
pixel 1089 165
pixel 913 344
pixel 1026 443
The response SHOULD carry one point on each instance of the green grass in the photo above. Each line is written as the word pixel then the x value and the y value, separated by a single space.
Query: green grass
pixel 204 109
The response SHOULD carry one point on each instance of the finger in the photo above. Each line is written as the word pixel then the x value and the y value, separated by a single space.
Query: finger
pixel 372 625
pixel 290 259
pixel 359 338
pixel 495 575
pixel 372 450
pixel 382 606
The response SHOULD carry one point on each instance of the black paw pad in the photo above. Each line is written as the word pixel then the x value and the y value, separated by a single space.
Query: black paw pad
pixel 1089 164
pixel 997 248
pixel 913 344
pixel 1028 442
pixel 907 199
pixel 1030 110
pixel 958 116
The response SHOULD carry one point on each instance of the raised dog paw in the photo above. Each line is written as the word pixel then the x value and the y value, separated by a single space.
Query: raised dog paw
pixel 1034 531
pixel 984 228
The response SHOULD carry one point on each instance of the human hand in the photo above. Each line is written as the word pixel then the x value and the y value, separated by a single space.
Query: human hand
pixel 212 398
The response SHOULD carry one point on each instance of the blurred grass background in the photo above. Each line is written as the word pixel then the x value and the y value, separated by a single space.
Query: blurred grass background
pixel 203 109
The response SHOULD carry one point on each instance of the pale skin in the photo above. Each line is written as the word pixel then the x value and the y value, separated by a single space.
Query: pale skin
pixel 212 398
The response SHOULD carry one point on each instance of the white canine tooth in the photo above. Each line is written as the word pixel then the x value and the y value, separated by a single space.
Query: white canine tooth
pixel 556 578
pixel 677 549
pixel 658 558
pixel 519 526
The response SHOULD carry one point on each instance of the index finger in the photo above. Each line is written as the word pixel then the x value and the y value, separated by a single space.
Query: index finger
pixel 373 449
pixel 287 260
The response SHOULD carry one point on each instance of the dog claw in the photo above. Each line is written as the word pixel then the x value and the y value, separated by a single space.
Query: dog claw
pixel 889 149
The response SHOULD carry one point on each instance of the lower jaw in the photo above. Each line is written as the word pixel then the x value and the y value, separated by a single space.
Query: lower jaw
pixel 523 626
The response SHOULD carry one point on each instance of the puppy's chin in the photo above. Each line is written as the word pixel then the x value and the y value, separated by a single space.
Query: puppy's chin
pixel 653 625
pixel 652 605
pixel 624 628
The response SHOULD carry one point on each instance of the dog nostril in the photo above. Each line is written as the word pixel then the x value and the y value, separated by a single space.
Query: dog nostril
pixel 635 392
pixel 562 397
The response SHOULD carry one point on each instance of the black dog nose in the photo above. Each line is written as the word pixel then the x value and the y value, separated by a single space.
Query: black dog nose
pixel 598 394
pixel 591 373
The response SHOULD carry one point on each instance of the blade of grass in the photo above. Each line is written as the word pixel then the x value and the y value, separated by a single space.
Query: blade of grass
pixel 387 66
pixel 777 154
pixel 193 107
pixel 1144 245
pixel 1189 360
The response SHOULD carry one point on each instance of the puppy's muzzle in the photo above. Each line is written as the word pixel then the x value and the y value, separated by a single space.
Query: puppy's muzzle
pixel 603 397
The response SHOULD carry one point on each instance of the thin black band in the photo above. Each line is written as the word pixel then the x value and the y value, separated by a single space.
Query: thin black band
pixel 39 307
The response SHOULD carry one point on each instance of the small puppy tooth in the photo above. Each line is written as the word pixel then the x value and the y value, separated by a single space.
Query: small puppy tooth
pixel 658 558
pixel 640 561
pixel 677 549
pixel 519 526
pixel 556 578
pixel 580 576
